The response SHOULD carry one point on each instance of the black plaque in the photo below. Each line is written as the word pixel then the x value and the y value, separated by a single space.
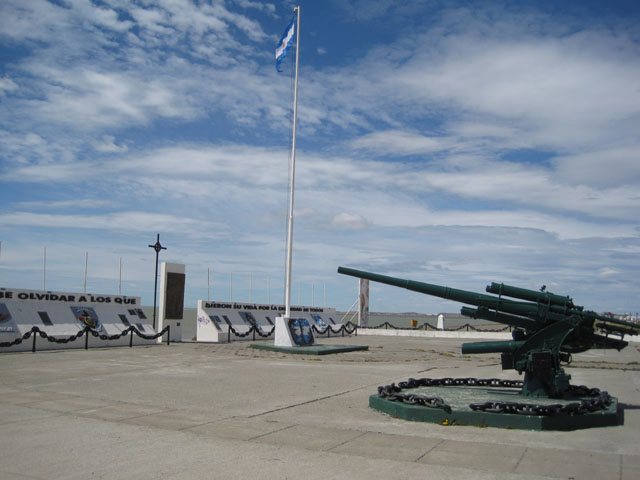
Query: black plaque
pixel 174 296
pixel 44 316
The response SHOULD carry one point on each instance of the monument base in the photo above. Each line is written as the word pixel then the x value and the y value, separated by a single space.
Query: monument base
pixel 294 335
pixel 460 397
pixel 293 332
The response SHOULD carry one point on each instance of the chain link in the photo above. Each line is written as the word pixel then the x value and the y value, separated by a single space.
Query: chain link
pixel 597 400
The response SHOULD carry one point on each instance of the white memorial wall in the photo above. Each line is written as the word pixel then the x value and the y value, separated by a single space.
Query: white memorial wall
pixel 64 314
pixel 214 319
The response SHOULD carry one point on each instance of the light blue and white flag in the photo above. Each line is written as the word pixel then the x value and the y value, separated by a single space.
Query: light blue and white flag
pixel 285 43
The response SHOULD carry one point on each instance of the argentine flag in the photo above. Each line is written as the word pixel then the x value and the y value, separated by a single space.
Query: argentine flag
pixel 285 43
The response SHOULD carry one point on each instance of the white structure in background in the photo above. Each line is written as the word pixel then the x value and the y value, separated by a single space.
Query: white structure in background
pixel 64 314
pixel 363 308
pixel 215 319
pixel 171 305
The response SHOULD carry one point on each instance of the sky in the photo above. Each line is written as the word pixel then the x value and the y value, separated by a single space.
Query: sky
pixel 456 143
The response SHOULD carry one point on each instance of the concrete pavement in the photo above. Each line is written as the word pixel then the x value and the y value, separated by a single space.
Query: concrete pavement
pixel 228 411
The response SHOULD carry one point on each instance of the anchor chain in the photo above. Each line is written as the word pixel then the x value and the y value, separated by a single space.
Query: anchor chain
pixel 597 400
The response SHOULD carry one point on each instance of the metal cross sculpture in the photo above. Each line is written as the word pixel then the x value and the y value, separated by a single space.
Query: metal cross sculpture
pixel 157 247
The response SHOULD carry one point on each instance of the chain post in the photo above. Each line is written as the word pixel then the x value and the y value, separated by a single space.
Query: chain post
pixel 33 348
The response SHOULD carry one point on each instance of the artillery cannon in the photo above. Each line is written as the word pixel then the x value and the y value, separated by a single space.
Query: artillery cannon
pixel 548 329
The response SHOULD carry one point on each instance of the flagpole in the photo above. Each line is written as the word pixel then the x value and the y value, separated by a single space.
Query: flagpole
pixel 287 299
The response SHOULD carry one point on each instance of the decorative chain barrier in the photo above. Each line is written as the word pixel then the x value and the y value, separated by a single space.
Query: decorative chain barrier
pixel 427 326
pixel 85 331
pixel 349 328
pixel 254 328
pixel 597 400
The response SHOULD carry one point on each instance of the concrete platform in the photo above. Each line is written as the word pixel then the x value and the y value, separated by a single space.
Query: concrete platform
pixel 230 411
pixel 460 398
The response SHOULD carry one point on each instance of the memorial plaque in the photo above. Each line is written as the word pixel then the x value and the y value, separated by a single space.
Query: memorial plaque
pixel 5 316
pixel 88 316
pixel 319 321
pixel 249 318
pixel 301 333
pixel 174 303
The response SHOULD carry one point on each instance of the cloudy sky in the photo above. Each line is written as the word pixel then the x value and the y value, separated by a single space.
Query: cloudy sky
pixel 451 143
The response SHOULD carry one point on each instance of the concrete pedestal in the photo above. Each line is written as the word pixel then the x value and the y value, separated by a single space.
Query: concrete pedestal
pixel 285 338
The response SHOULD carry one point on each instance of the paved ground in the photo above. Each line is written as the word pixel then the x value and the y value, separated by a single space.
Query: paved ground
pixel 228 411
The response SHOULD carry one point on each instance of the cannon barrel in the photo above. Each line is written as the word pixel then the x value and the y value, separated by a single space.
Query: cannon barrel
pixel 563 305
pixel 505 346
pixel 633 328
pixel 530 295
pixel 525 309
pixel 541 308
pixel 504 318
pixel 420 287
pixel 531 315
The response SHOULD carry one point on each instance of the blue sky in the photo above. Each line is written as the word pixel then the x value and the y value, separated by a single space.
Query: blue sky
pixel 456 143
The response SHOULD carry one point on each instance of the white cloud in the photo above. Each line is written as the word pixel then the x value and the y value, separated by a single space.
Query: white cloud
pixel 536 87
pixel 98 15
pixel 108 145
pixel 196 170
pixel 7 85
pixel 349 221
pixel 87 203
pixel 120 221
pixel 607 271
pixel 266 7
pixel 85 99
pixel 564 91
pixel 86 77
pixel 59 173
pixel 618 166
pixel 399 143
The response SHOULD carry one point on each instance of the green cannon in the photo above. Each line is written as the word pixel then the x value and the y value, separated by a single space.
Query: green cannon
pixel 548 328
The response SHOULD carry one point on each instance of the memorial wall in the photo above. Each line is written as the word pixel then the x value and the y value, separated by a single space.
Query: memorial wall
pixel 64 314
pixel 215 319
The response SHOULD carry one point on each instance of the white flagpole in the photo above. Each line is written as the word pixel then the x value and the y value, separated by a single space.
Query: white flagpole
pixel 287 299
